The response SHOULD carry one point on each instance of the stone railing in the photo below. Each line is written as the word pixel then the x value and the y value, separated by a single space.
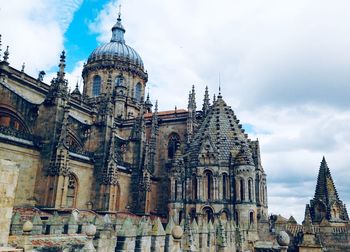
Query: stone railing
pixel 75 233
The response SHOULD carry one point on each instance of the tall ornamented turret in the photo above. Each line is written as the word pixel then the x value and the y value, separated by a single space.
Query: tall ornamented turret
pixel 326 203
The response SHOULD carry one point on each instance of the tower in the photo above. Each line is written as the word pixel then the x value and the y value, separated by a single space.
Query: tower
pixel 326 203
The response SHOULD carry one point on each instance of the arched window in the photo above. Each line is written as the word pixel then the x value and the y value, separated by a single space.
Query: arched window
pixel 181 215
pixel 96 85
pixel 250 190
pixel 72 190
pixel 138 90
pixel 173 144
pixel 241 182
pixel 119 80
pixel 225 186
pixel 10 119
pixel 237 218
pixel 251 218
pixel 194 187
pixel 208 214
pixel 209 185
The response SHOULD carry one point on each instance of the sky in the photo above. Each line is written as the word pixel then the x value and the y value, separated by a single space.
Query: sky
pixel 283 67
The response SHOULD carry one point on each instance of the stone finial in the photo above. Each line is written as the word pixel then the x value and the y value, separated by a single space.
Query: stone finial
pixel 157 228
pixel 61 73
pixel 177 232
pixel 23 66
pixel 206 102
pixel 283 238
pixel 27 227
pixel 143 227
pixel 37 224
pixel 170 225
pixel 90 232
pixel 127 229
pixel 194 226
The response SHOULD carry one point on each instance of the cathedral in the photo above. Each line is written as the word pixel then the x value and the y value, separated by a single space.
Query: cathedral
pixel 107 160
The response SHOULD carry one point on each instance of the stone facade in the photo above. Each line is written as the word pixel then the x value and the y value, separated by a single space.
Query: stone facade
pixel 147 180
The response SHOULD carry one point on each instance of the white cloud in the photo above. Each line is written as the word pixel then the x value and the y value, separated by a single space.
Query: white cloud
pixel 284 69
pixel 34 31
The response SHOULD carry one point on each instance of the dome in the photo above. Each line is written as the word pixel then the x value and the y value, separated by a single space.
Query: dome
pixel 116 49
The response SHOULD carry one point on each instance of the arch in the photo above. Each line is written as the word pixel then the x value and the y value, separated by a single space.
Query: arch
pixel 237 217
pixel 173 144
pixel 251 217
pixel 138 92
pixel 74 143
pixel 181 216
pixel 119 80
pixel 194 187
pixel 11 119
pixel 72 190
pixel 209 184
pixel 241 189
pixel 250 189
pixel 225 186
pixel 96 85
pixel 224 215
pixel 208 214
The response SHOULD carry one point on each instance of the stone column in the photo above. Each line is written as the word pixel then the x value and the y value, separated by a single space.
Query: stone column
pixel 8 184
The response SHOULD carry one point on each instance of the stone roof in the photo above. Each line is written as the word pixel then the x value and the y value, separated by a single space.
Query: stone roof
pixel 220 128
pixel 325 188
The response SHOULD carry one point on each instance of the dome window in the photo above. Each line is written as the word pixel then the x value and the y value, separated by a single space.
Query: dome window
pixel 138 92
pixel 119 80
pixel 96 86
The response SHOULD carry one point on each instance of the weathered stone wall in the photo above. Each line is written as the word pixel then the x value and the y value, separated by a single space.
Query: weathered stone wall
pixel 84 173
pixel 28 161
pixel 8 184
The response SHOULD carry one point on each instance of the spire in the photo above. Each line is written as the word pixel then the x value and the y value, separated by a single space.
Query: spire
pixel 6 54
pixel 148 103
pixel 193 99
pixel 118 30
pixel 214 98
pixel 307 223
pixel 206 103
pixel 62 65
pixel 189 100
pixel 76 93
pixel 325 188
pixel 0 46
pixel 219 95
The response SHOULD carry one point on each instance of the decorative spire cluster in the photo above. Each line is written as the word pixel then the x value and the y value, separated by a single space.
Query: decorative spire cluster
pixel 61 73
pixel 206 101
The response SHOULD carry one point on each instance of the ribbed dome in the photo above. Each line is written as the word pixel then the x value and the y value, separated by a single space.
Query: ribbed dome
pixel 116 49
